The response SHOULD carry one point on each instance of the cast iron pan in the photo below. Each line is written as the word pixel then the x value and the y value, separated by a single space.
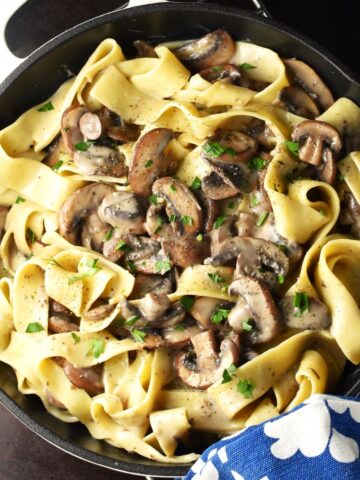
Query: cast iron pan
pixel 49 66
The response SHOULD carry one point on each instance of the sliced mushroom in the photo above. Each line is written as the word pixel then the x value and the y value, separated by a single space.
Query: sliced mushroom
pixel 186 250
pixel 149 160
pixel 350 213
pixel 114 248
pixel 90 126
pixel 210 209
pixel 213 49
pixel 224 232
pixel 301 74
pixel 179 338
pixel 209 365
pixel 297 101
pixel 144 49
pixel 98 160
pixel 147 256
pixel 54 152
pixel 216 188
pixel 246 224
pixel 157 224
pixel 259 130
pixel 150 283
pixel 319 144
pixel 89 378
pixel 57 324
pixel 174 315
pixel 227 73
pixel 53 401
pixel 70 128
pixel 204 308
pixel 124 133
pixel 261 308
pixel 316 317
pixel 80 205
pixel 132 315
pixel 57 308
pixel 93 232
pixel 125 211
pixel 154 305
pixel 99 312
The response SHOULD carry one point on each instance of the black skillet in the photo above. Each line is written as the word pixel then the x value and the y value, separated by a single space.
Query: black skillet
pixel 48 67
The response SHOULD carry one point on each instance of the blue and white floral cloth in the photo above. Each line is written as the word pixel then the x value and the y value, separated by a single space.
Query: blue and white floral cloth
pixel 318 440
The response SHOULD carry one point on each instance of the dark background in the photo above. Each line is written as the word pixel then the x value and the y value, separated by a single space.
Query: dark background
pixel 334 24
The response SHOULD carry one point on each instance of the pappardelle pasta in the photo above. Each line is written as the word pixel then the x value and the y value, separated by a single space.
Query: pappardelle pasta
pixel 180 242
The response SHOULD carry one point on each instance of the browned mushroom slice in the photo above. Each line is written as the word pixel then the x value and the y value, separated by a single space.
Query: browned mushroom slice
pixel 57 308
pixel 213 49
pixel 297 101
pixel 157 224
pixel 319 144
pixel 227 73
pixel 149 161
pixel 115 247
pixel 301 74
pixel 350 213
pixel 124 133
pixel 186 250
pixel 53 401
pixel 203 310
pixel 145 255
pixel 89 378
pixel 179 337
pixel 90 126
pixel 154 305
pixel 99 312
pixel 210 209
pixel 70 129
pixel 214 187
pixel 260 308
pixel 98 160
pixel 218 235
pixel 246 225
pixel 182 207
pixel 144 49
pixel 54 152
pixel 125 211
pixel 59 324
pixel 208 366
pixel 315 317
pixel 80 205
pixel 150 283
pixel 93 232
pixel 259 130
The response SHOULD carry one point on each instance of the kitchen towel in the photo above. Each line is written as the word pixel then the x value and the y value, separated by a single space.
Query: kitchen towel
pixel 319 440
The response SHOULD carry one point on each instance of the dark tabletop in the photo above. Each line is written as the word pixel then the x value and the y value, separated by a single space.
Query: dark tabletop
pixel 23 455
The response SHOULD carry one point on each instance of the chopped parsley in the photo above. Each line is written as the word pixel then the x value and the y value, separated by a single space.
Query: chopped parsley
pixel 20 200
pixel 172 218
pixel 262 219
pixel 219 221
pixel 246 387
pixel 224 289
pixel 256 163
pixel 187 301
pixel 186 220
pixel 83 146
pixel 57 165
pixel 108 235
pixel 216 278
pixel 218 68
pixel 162 266
pixel 173 188
pixel 121 245
pixel 148 163
pixel 180 327
pixel 75 337
pixel 231 205
pixel 97 347
pixel 200 237
pixel 132 320
pixel 322 212
pixel 340 177
pixel 214 149
pixel 153 199
pixel 283 247
pixel 247 326
pixel 89 268
pixel 228 373
pixel 281 278
pixel 254 201
pixel 34 327
pixel 138 335
pixel 247 66
pixel 30 236
pixel 47 107
pixel 159 223
pixel 130 265
pixel 301 303
pixel 293 147
pixel 219 315
pixel 196 184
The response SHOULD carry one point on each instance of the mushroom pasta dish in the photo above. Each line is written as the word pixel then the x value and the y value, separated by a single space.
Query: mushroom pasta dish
pixel 180 243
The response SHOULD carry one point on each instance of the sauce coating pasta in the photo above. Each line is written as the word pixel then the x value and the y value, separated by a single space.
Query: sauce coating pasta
pixel 180 242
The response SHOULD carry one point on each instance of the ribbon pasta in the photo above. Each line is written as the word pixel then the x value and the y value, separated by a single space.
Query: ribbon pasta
pixel 140 398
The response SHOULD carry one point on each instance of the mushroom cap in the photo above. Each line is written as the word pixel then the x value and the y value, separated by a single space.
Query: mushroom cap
pixel 70 129
pixel 79 206
pixel 316 317
pixel 99 160
pixel 302 74
pixel 264 311
pixel 226 73
pixel 186 250
pixel 203 309
pixel 125 211
pixel 215 187
pixel 150 283
pixel 214 48
pixel 93 232
pixel 148 161
pixel 90 378
pixel 180 202
pixel 154 305
pixel 297 101
pixel 90 126
pixel 60 324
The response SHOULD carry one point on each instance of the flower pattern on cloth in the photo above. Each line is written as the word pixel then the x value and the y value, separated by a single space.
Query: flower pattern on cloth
pixel 319 440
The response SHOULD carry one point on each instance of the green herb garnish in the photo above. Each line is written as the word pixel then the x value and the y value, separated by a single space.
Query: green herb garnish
pixel 47 107
pixel 256 163
pixel 162 266
pixel 132 320
pixel 218 68
pixel 186 220
pixel 281 278
pixel 20 200
pixel 130 265
pixel 231 205
pixel 219 221
pixel 153 199
pixel 214 149
pixel 340 177
pixel 34 327
pixel 121 245
pixel 148 163
pixel 159 223
pixel 200 237
pixel 293 147
pixel 83 146
pixel 90 268
pixel 57 165
pixel 180 327
pixel 108 235
pixel 301 303
pixel 138 335
pixel 75 337
pixel 247 66
pixel 30 236
pixel 173 187
pixel 247 326
pixel 172 218
pixel 216 278
pixel 254 202
pixel 219 315
pixel 196 184
pixel 187 301
pixel 228 373
pixel 245 387
pixel 262 218
pixel 97 347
